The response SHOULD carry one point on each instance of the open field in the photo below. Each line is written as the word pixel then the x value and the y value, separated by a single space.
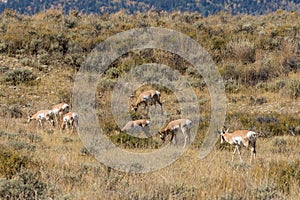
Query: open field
pixel 258 59
pixel 58 166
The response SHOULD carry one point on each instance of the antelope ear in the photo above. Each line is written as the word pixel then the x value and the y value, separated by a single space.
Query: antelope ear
pixel 227 130
pixel 221 131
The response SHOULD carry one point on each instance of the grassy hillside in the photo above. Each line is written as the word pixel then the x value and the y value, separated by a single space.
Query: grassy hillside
pixel 257 56
pixel 204 7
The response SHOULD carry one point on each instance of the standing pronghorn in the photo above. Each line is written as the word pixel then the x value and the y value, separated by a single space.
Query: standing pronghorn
pixel 138 123
pixel 240 138
pixel 180 124
pixel 151 96
pixel 41 116
pixel 69 120
pixel 59 110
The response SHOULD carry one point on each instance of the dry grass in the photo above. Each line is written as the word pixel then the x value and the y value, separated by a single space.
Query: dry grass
pixel 61 162
pixel 70 174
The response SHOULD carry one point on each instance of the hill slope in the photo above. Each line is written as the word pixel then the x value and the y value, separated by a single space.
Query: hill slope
pixel 256 56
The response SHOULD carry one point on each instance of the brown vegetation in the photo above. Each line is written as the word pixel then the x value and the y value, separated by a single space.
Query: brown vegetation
pixel 257 56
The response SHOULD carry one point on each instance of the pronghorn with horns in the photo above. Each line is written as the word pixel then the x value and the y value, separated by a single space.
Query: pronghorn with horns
pixel 240 138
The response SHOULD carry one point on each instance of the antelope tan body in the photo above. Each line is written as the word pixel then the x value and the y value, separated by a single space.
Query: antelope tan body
pixel 150 96
pixel 174 126
pixel 42 116
pixel 240 138
pixel 70 121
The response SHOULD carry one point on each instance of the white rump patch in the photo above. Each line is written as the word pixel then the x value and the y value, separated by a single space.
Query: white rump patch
pixel 41 116
pixel 252 135
pixel 66 118
pixel 188 123
pixel 237 140
pixel 55 110
pixel 175 127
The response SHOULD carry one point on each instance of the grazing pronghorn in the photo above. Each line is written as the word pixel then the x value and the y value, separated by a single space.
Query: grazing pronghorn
pixel 240 138
pixel 69 120
pixel 41 116
pixel 180 124
pixel 151 96
pixel 137 123
pixel 59 110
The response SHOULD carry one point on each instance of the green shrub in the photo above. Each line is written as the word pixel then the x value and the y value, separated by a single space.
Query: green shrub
pixel 127 141
pixel 70 22
pixel 74 60
pixel 12 111
pixel 67 140
pixel 3 47
pixel 34 137
pixel 285 173
pixel 218 42
pixel 268 191
pixel 113 73
pixel 27 62
pixel 26 186
pixel 181 191
pixel 44 58
pixel 242 50
pixel 106 84
pixel 230 71
pixel 269 125
pixel 277 86
pixel 293 88
pixel 229 196
pixel 291 63
pixel 19 145
pixel 11 162
pixel 279 145
pixel 18 76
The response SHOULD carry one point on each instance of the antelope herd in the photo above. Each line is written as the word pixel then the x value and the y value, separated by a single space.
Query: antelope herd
pixel 61 116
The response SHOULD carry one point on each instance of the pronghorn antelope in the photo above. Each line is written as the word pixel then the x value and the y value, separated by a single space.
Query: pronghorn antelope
pixel 151 96
pixel 70 120
pixel 240 138
pixel 41 116
pixel 137 123
pixel 59 110
pixel 180 124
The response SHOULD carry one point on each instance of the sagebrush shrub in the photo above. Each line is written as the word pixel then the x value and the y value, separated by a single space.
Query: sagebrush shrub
pixel 26 186
pixel 17 76
pixel 11 163
pixel 293 88
pixel 242 50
